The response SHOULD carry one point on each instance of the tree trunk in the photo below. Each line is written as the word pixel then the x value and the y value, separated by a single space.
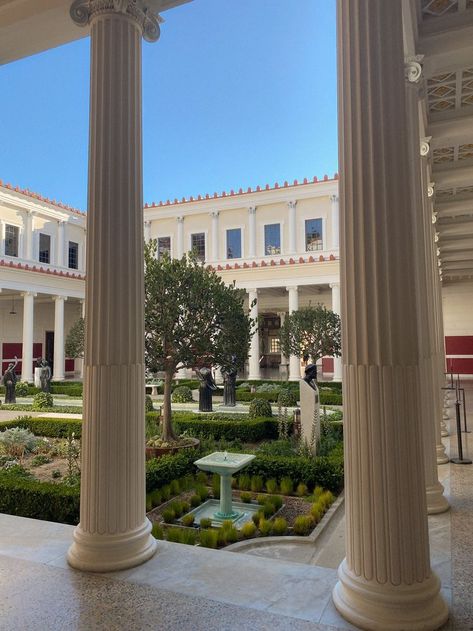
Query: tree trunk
pixel 167 430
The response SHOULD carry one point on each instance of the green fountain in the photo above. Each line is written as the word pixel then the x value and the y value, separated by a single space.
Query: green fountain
pixel 225 465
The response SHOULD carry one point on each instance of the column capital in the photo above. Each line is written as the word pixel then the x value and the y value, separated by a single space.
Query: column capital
pixel 332 285
pixel 180 219
pixel 56 298
pixel 62 222
pixel 292 288
pixel 334 198
pixel 425 146
pixel 413 68
pixel 29 293
pixel 147 223
pixel 252 291
pixel 252 210
pixel 214 214
pixel 140 11
pixel 292 203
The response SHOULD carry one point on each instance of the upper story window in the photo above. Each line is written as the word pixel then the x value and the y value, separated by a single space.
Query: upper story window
pixel 12 234
pixel 44 248
pixel 73 257
pixel 234 243
pixel 313 235
pixel 164 245
pixel 198 245
pixel 272 238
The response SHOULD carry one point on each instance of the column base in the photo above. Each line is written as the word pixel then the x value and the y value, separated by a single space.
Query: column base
pixel 436 500
pixel 442 457
pixel 92 552
pixel 254 377
pixel 386 607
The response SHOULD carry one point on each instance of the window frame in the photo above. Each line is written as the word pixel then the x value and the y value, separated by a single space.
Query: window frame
pixel 227 229
pixel 281 229
pixel 18 242
pixel 48 235
pixel 164 236
pixel 69 241
pixel 322 222
pixel 204 232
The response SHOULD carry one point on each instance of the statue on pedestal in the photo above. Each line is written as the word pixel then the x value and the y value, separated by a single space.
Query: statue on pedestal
pixel 229 387
pixel 45 376
pixel 310 408
pixel 9 380
pixel 206 387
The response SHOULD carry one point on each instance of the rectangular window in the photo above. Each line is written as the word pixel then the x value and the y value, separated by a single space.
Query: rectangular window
pixel 44 248
pixel 313 235
pixel 234 243
pixel 73 259
pixel 272 239
pixel 11 240
pixel 198 245
pixel 164 245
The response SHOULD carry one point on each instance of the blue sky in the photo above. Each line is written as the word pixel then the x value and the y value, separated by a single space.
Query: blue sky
pixel 235 93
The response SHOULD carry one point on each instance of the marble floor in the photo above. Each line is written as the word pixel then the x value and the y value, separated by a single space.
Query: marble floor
pixel 188 588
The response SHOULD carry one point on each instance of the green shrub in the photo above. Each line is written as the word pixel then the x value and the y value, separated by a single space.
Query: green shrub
pixel 244 482
pixel 286 486
pixel 175 487
pixel 265 527
pixel 56 474
pixel 39 500
pixel 201 477
pixel 257 517
pixel 148 404
pixel 176 506
pixel 245 497
pixel 271 485
pixel 69 390
pixel 157 531
pixel 16 441
pixel 318 492
pixel 161 471
pixel 330 398
pixel 225 428
pixel 287 398
pixel 268 509
pixel 169 515
pixel 276 500
pixel 301 489
pixel 279 526
pixel 188 520
pixel 248 530
pixel 50 427
pixel 149 504
pixel 258 408
pixel 231 534
pixel 202 492
pixel 208 538
pixel 39 459
pixel 326 499
pixel 156 498
pixel 185 507
pixel 182 394
pixel 303 525
pixel 256 483
pixel 195 501
pixel 21 388
pixel 316 512
pixel 42 400
pixel 180 535
pixel 205 522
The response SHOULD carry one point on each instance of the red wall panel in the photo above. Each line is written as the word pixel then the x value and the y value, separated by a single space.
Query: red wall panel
pixel 459 344
pixel 69 365
pixel 327 364
pixel 12 349
pixel 461 366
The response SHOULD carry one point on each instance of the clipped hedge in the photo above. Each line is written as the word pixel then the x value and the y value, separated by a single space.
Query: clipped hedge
pixel 246 431
pixel 50 427
pixel 39 500
pixel 71 391
pixel 328 398
pixel 319 471
pixel 163 470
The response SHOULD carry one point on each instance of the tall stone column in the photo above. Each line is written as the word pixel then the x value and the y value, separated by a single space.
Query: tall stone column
pixel 215 253
pixel 59 355
pixel 294 360
pixel 252 231
pixel 335 212
pixel 283 365
pixel 61 243
pixel 28 322
pixel 28 238
pixel 253 360
pixel 114 532
pixel 385 581
pixel 180 238
pixel 337 361
pixel 82 315
pixel 436 502
pixel 292 227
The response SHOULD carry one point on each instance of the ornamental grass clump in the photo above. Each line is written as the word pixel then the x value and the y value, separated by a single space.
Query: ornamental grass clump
pixel 208 538
pixel 268 509
pixel 195 501
pixel 216 486
pixel 202 492
pixel 248 530
pixel 276 500
pixel 17 441
pixel 244 482
pixel 245 497
pixel 177 508
pixel 157 531
pixel 286 486
pixel 256 483
pixel 201 477
pixel 302 525
pixel 265 527
pixel 166 492
pixel 188 520
pixel 175 487
pixel 169 515
pixel 271 485
pixel 301 489
pixel 205 522
pixel 156 498
pixel 279 526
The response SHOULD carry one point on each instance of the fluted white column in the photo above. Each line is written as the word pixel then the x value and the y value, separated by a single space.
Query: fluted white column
pixel 291 206
pixel 436 502
pixel 294 360
pixel 283 366
pixel 59 356
pixel 215 253
pixel 253 359
pixel 114 532
pixel 252 231
pixel 61 243
pixel 337 361
pixel 385 582
pixel 180 238
pixel 81 360
pixel 28 235
pixel 28 322
pixel 147 228
pixel 335 212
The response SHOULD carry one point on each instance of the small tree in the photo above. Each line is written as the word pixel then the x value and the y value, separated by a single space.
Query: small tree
pixel 311 332
pixel 74 346
pixel 191 318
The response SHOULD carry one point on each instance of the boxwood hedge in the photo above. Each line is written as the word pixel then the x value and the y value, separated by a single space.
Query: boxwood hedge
pixel 50 427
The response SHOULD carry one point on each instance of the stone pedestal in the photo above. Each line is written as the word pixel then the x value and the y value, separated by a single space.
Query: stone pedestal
pixel 310 414
pixel 114 532
pixel 385 582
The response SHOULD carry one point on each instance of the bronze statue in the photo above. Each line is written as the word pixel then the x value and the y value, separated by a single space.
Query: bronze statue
pixel 310 376
pixel 45 376
pixel 229 383
pixel 9 380
pixel 206 387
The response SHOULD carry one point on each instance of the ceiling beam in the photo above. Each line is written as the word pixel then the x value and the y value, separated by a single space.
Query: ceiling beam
pixel 450 245
pixel 453 177
pixel 457 130
pixel 454 209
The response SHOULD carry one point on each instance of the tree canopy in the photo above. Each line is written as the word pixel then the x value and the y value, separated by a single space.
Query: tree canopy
pixel 311 332
pixel 74 346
